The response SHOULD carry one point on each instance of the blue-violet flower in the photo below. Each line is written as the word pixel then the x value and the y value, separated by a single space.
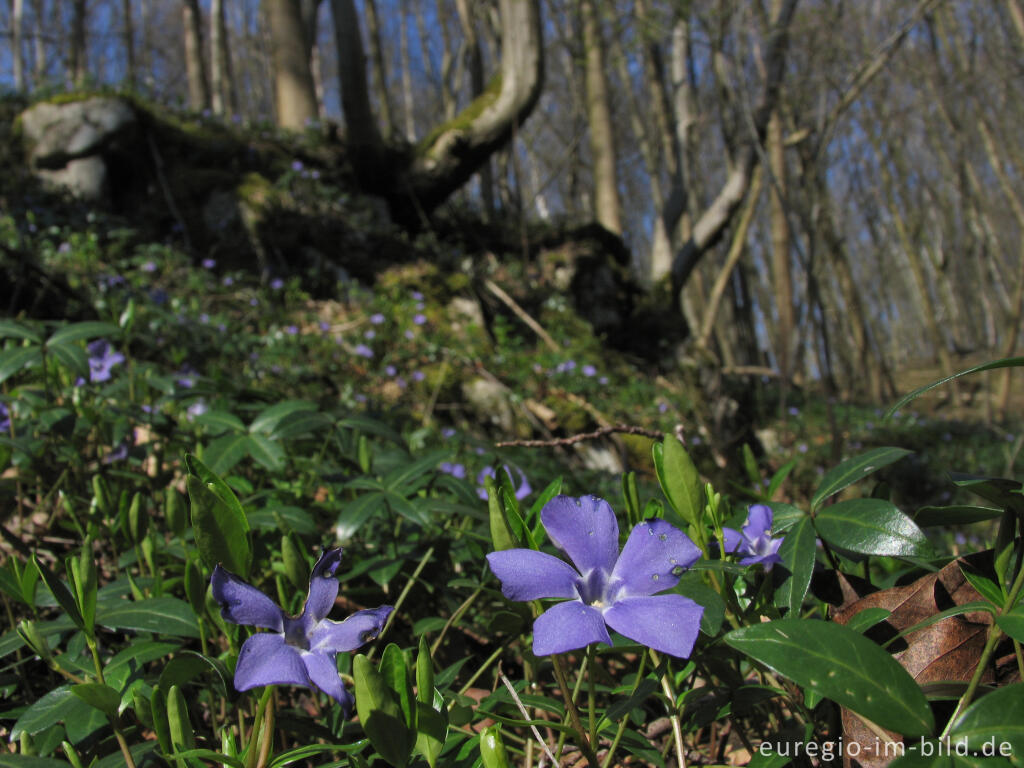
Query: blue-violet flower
pixel 755 542
pixel 606 588
pixel 299 650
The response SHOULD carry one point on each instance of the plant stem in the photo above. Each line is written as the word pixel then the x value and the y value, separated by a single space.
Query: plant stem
pixel 405 592
pixel 558 664
pixel 625 718
pixel 670 692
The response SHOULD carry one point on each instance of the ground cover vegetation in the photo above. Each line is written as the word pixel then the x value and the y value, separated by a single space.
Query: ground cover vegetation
pixel 332 446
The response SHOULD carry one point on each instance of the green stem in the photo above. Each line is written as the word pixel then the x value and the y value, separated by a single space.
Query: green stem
pixel 670 692
pixel 252 749
pixel 558 664
pixel 454 618
pixel 405 592
pixel 591 695
pixel 625 718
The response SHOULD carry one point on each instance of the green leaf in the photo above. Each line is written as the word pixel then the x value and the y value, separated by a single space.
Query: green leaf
pixel 798 552
pixel 79 331
pixel 424 672
pixel 1012 623
pixel 99 696
pixel 492 748
pixel 12 330
pixel 266 452
pixel 431 730
pixel 996 718
pixel 59 705
pixel 396 674
pixel 380 713
pixel 842 665
pixel 853 470
pixel 220 421
pixel 60 593
pixel 871 527
pixel 8 760
pixel 357 512
pixel 400 480
pixel 957 514
pixel 72 357
pixel 784 516
pixel 13 360
pixel 268 419
pixel 160 615
pixel 214 483
pixel 985 586
pixel 182 734
pixel 998 490
pixel 1009 362
pixel 679 480
pixel 225 452
pixel 502 537
pixel 364 423
pixel 300 424
pixel 864 620
pixel 221 531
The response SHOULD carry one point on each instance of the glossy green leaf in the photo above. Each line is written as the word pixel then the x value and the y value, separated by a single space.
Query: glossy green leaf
pixel 12 330
pixel 853 470
pixel 957 514
pixel 424 672
pixel 679 479
pixel 985 586
pixel 842 665
pixel 72 357
pixel 997 717
pixel 492 748
pixel 60 593
pixel 86 330
pixel 864 620
pixel 214 483
pixel 784 516
pixel 299 424
pixel 502 537
pixel 59 706
pixel 14 360
pixel 380 713
pixel 1012 623
pixel 396 675
pixel 220 421
pixel 182 734
pixel 267 453
pixel 798 552
pixel 999 490
pixel 224 453
pixel 268 419
pixel 161 615
pixel 355 513
pixel 871 527
pixel 222 533
pixel 99 696
pixel 431 730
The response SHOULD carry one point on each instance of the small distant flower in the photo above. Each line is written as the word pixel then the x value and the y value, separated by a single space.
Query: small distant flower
pixel 377 318
pixel 314 175
pixel 419 319
pixel 204 318
pixel 370 334
pixel 101 359
pixel 448 433
pixel 603 587
pixel 418 376
pixel 64 248
pixel 120 453
pixel 149 266
pixel 416 296
pixel 400 382
pixel 522 491
pixel 802 447
pixel 755 542
pixel 420 305
pixel 695 440
pixel 662 407
pixel 209 263
pixel 589 370
pixel 297 165
pixel 291 330
pixel 363 351
pixel 228 281
pixel 276 284
pixel 453 469
pixel 409 334
pixel 254 302
pixel 187 377
pixel 794 411
pixel 390 370
pixel 603 380
pixel 299 650
pixel 197 409
pixel 5 419
pixel 158 296
pixel 325 327
pixel 359 398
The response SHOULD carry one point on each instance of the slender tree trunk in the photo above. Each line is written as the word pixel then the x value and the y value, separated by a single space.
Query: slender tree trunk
pixel 129 43
pixel 294 91
pixel 449 99
pixel 39 48
pixel 17 26
pixel 408 102
pixel 475 66
pixel 363 138
pixel 77 71
pixel 380 72
pixel 222 85
pixel 195 62
pixel 608 209
pixel 782 279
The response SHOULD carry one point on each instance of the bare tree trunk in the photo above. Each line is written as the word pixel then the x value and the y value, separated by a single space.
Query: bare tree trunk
pixel 716 217
pixel 222 85
pixel 294 91
pixel 449 98
pixel 17 26
pixel 408 103
pixel 76 59
pixel 195 63
pixel 475 64
pixel 39 49
pixel 599 116
pixel 363 138
pixel 379 69
pixel 782 279
pixel 129 43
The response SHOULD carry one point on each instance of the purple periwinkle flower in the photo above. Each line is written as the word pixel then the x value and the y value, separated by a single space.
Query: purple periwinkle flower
pixel 522 491
pixel 276 284
pixel 409 334
pixel 299 650
pixel 101 359
pixel 755 541
pixel 377 318
pixel 228 281
pixel 603 587
pixel 197 409
pixel 363 351
pixel 292 330
pixel 296 165
pixel 370 334
pixel 419 318
pixel 5 419
pixel 209 263
pixel 454 469
pixel 390 370
pixel 588 370
pixel 418 375
pixel 149 266
pixel 416 296
pixel 187 377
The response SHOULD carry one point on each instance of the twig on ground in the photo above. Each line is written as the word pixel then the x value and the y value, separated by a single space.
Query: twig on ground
pixel 654 434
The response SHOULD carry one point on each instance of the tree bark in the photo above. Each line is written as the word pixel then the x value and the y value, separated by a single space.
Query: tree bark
pixel 222 86
pixel 712 222
pixel 195 63
pixel 782 279
pixel 475 66
pixel 408 101
pixel 76 58
pixel 17 28
pixel 599 117
pixel 128 32
pixel 294 92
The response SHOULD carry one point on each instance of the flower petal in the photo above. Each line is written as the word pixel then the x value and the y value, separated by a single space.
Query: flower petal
pixel 733 539
pixel 585 529
pixel 667 623
pixel 529 575
pixel 759 521
pixel 566 626
pixel 654 556
pixel 358 629
pixel 323 587
pixel 241 603
pixel 266 659
pixel 323 673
